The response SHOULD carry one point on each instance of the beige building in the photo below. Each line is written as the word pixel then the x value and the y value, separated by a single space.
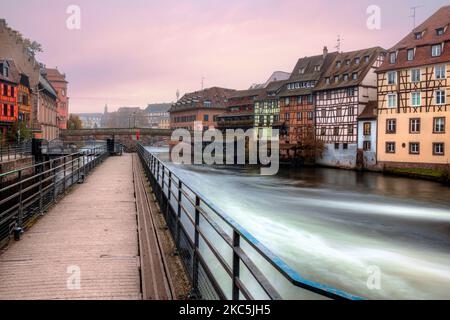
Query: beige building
pixel 413 97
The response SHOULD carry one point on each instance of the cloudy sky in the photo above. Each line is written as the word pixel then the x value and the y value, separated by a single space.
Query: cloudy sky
pixel 134 52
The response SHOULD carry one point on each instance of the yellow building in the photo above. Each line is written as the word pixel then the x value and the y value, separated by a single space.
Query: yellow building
pixel 414 98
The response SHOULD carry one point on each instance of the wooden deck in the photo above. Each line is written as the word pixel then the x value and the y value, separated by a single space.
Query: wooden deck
pixel 93 230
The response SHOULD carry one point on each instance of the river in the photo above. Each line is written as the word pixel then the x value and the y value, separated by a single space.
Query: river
pixel 335 226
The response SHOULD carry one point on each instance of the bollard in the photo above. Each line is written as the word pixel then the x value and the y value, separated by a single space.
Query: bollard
pixel 17 233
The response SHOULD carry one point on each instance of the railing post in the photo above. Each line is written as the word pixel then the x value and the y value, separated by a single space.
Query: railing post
pixel 236 265
pixel 177 240
pixel 41 200
pixel 195 263
pixel 55 195
pixel 20 220
pixel 64 179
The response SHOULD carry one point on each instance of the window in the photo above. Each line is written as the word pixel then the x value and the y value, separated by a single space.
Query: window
pixel 414 148
pixel 338 111
pixel 345 146
pixel 415 99
pixel 336 146
pixel 357 60
pixel 207 104
pixel 346 77
pixel 366 59
pixel 205 117
pixel 310 98
pixel 5 110
pixel 5 90
pixel 415 75
pixel 323 131
pixel 418 35
pixel 355 76
pixel 299 100
pixel 393 57
pixel 436 50
pixel 347 62
pixel 439 72
pixel 440 31
pixel 350 130
pixel 324 113
pixel 414 125
pixel 286 116
pixel 336 131
pixel 11 111
pixel 410 54
pixel 391 126
pixel 299 116
pixel 310 115
pixel 438 149
pixel 286 101
pixel 439 125
pixel 336 78
pixel 63 92
pixel 440 97
pixel 327 80
pixel 390 147
pixel 392 77
pixel 367 146
pixel 367 128
pixel 316 68
pixel 351 92
pixel 338 64
pixel 351 111
pixel 392 100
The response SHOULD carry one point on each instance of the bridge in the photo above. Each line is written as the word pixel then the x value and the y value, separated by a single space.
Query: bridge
pixel 127 227
pixel 128 137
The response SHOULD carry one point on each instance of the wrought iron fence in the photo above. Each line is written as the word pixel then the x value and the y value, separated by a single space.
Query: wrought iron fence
pixel 15 151
pixel 29 191
pixel 222 259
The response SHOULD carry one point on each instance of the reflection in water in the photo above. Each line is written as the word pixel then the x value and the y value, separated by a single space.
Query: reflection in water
pixel 331 225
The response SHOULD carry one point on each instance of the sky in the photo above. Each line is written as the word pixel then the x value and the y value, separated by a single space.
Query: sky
pixel 134 52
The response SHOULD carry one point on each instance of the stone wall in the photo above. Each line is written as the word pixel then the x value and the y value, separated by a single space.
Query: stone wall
pixel 339 158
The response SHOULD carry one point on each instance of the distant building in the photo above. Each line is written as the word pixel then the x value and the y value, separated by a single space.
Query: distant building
pixel 276 76
pixel 9 111
pixel 90 120
pixel 267 108
pixel 158 115
pixel 367 135
pixel 47 115
pixel 204 106
pixel 413 98
pixel 58 81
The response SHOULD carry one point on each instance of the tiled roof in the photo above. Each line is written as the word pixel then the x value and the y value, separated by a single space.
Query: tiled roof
pixel 158 107
pixel 345 63
pixel 14 75
pixel 55 75
pixel 195 100
pixel 245 93
pixel 45 84
pixel 369 112
pixel 428 36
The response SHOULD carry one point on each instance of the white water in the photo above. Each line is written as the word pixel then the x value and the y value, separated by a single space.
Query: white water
pixel 332 225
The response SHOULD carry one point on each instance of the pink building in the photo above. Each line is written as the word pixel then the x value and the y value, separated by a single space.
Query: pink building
pixel 59 82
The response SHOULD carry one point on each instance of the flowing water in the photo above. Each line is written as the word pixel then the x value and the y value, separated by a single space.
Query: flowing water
pixel 336 226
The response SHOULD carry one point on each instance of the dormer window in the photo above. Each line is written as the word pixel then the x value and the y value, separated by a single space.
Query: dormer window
pixel 317 68
pixel 207 104
pixel 436 50
pixel 327 80
pixel 345 77
pixel 302 71
pixel 418 35
pixel 338 64
pixel 355 76
pixel 336 78
pixel 410 54
pixel 440 31
pixel 347 62
pixel 357 60
pixel 366 59
pixel 393 57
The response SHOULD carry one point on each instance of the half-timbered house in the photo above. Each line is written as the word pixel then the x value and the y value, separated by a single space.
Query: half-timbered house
pixel 413 97
pixel 344 90
pixel 267 108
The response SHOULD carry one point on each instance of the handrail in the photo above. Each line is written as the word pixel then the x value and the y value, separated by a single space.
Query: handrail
pixel 158 172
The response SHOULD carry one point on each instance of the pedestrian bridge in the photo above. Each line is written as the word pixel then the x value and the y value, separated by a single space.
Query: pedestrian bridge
pixel 115 132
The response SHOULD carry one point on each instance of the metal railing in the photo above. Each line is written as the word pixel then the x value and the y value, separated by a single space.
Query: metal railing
pixel 222 259
pixel 26 193
pixel 15 151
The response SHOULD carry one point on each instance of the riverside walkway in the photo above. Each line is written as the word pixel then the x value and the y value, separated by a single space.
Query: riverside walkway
pixel 85 247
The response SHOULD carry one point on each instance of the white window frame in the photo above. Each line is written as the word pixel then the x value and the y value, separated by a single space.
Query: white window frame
pixel 435 144
pixel 414 95
pixel 437 92
pixel 394 95
pixel 433 52
pixel 410 58
pixel 389 77
pixel 442 72
pixel 412 75
pixel 392 57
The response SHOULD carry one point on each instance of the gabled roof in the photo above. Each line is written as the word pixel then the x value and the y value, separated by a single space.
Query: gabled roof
pixel 13 74
pixel 422 46
pixel 345 63
pixel 158 107
pixel 369 112
pixel 273 90
pixel 195 100
pixel 245 93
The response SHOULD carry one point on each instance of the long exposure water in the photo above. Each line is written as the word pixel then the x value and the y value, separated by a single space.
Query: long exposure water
pixel 333 226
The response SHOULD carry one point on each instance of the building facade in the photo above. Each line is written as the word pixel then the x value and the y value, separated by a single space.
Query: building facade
pixel 240 110
pixel 267 109
pixel 59 83
pixel 47 115
pixel 9 82
pixel 367 136
pixel 414 97
pixel 158 115
pixel 345 89
pixel 24 102
pixel 90 120
pixel 202 107
pixel 297 104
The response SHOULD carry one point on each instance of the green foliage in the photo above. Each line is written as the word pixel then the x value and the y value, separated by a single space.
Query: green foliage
pixel 74 122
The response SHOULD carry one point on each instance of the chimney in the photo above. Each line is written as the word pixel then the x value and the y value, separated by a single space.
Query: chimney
pixel 325 52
